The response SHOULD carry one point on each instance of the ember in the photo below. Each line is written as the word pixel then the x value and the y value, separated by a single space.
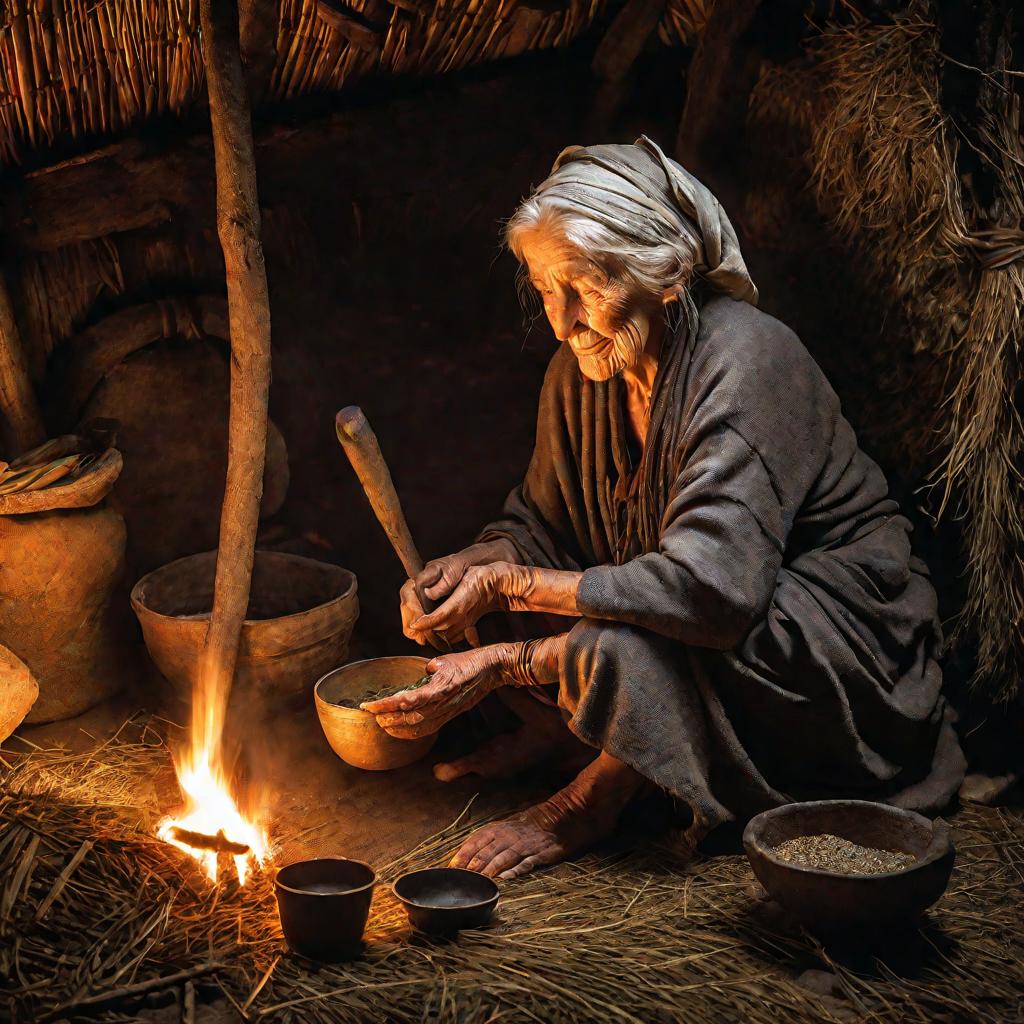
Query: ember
pixel 200 841
pixel 212 823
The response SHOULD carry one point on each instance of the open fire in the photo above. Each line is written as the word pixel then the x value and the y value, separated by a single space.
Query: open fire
pixel 211 824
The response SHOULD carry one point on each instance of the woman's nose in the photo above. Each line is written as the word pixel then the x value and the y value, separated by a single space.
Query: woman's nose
pixel 563 315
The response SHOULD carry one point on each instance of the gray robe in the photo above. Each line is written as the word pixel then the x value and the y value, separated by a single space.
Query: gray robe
pixel 778 639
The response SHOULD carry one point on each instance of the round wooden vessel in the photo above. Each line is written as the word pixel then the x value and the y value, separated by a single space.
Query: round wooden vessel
pixel 354 735
pixel 299 623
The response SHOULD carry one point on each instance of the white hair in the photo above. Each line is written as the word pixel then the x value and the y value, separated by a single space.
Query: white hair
pixel 660 262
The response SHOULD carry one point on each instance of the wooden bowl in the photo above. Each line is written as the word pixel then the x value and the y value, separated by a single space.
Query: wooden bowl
pixel 354 735
pixel 828 901
pixel 443 900
pixel 298 624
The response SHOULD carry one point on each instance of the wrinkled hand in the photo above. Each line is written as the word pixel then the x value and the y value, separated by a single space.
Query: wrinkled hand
pixel 482 589
pixel 458 682
pixel 439 578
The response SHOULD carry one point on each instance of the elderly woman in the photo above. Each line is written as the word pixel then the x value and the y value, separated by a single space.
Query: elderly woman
pixel 750 625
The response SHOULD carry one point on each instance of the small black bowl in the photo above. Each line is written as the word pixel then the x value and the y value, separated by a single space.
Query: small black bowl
pixel 443 900
pixel 324 905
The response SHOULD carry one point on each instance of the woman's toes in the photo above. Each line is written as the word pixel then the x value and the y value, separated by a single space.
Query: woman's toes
pixel 449 771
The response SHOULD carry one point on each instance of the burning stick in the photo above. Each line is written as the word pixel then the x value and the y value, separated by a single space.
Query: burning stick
pixel 201 841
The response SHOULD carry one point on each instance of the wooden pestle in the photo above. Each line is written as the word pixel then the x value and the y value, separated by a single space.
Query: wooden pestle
pixel 363 451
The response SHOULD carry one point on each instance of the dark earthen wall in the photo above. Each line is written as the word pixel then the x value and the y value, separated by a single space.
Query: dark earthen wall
pixel 388 290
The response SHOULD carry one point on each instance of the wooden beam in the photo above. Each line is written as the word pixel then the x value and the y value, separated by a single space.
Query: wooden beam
pixel 238 227
pixel 365 152
pixel 718 85
pixel 623 42
pixel 257 38
pixel 129 185
pixel 351 25
pixel 18 403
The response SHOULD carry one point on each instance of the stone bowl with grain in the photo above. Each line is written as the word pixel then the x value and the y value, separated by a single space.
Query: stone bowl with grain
pixel 354 734
pixel 849 865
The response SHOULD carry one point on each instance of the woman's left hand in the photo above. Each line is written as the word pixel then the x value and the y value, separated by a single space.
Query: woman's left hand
pixel 482 589
pixel 457 683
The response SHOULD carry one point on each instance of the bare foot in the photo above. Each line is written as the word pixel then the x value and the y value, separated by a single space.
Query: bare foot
pixel 573 819
pixel 543 736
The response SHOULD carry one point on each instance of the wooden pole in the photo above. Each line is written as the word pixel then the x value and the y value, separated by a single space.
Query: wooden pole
pixel 238 226
pixel 17 399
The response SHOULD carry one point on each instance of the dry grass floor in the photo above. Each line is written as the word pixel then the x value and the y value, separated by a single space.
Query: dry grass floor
pixel 92 905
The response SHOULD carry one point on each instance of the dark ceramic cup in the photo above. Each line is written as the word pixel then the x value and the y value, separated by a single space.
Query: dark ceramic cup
pixel 444 900
pixel 324 905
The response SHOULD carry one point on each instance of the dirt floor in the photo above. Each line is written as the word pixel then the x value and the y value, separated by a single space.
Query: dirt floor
pixel 658 937
pixel 317 805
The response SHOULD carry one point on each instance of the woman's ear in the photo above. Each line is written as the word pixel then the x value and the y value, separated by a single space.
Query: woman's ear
pixel 671 293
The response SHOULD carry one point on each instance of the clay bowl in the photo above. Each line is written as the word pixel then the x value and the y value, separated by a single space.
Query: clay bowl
pixel 298 625
pixel 324 905
pixel 354 735
pixel 443 900
pixel 830 902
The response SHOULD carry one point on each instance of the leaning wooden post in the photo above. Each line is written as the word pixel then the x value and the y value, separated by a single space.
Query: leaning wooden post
pixel 17 399
pixel 238 226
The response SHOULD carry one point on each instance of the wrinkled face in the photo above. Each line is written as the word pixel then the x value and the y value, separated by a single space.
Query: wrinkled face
pixel 605 325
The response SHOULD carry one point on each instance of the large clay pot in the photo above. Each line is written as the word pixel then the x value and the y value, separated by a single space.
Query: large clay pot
pixel 18 692
pixel 300 619
pixel 60 574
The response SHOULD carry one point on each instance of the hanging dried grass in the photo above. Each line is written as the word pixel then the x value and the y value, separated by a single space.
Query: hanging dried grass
pixel 96 914
pixel 884 158
pixel 881 155
pixel 56 290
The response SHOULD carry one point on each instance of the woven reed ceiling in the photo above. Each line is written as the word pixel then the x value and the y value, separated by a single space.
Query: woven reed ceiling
pixel 90 68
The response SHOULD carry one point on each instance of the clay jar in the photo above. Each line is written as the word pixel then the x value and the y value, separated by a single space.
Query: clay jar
pixel 62 610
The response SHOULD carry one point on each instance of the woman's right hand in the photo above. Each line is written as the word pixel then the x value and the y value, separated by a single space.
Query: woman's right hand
pixel 440 576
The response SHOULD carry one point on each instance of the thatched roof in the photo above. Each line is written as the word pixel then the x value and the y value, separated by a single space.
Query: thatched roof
pixel 73 68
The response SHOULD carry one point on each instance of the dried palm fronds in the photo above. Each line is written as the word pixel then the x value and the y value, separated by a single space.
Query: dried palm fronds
pixel 97 915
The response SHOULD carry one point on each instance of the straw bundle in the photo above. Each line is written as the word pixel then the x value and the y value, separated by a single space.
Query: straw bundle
pixel 97 916
pixel 885 164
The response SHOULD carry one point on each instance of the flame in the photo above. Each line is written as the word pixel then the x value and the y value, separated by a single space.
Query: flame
pixel 209 805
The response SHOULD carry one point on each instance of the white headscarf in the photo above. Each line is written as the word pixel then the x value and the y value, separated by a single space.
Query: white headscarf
pixel 638 191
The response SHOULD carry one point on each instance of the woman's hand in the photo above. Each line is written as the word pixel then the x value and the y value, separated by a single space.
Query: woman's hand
pixel 500 586
pixel 482 589
pixel 457 683
pixel 439 578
